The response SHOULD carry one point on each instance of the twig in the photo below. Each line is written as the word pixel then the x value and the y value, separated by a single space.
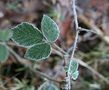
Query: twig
pixel 82 63
pixel 60 49
pixel 95 28
pixel 10 79
pixel 92 70
pixel 57 52
pixel 87 30
pixel 76 40
pixel 86 66
pixel 29 65
pixel 75 14
pixel 75 44
pixel 78 29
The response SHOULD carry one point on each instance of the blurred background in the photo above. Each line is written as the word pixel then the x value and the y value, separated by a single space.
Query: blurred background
pixel 92 51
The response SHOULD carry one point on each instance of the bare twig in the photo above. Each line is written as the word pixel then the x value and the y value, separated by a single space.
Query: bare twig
pixel 87 30
pixel 78 29
pixel 58 52
pixel 29 65
pixel 76 40
pixel 75 14
pixel 95 28
pixel 86 66
pixel 92 70
pixel 75 44
pixel 60 49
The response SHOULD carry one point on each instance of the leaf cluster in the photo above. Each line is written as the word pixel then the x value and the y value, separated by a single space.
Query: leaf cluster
pixel 38 42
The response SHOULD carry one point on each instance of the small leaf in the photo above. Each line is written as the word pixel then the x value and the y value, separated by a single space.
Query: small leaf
pixel 47 86
pixel 3 53
pixel 73 66
pixel 50 29
pixel 26 34
pixel 75 75
pixel 39 52
pixel 5 35
pixel 73 69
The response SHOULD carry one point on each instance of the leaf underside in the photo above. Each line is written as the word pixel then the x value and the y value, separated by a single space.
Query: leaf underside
pixel 3 53
pixel 26 34
pixel 50 29
pixel 38 52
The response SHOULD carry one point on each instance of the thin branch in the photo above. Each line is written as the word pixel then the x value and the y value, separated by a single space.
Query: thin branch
pixel 75 44
pixel 87 30
pixel 76 28
pixel 29 65
pixel 82 63
pixel 92 70
pixel 58 52
pixel 60 49
pixel 12 44
pixel 76 40
pixel 99 32
pixel 75 14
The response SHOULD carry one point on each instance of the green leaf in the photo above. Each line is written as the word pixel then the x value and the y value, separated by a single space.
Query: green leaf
pixel 75 75
pixel 5 35
pixel 73 69
pixel 39 52
pixel 73 66
pixel 47 86
pixel 50 29
pixel 3 53
pixel 26 34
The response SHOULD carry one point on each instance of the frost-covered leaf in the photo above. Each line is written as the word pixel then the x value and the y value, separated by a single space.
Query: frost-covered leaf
pixel 73 69
pixel 47 86
pixel 3 53
pixel 75 75
pixel 39 52
pixel 50 29
pixel 26 34
pixel 73 66
pixel 5 35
